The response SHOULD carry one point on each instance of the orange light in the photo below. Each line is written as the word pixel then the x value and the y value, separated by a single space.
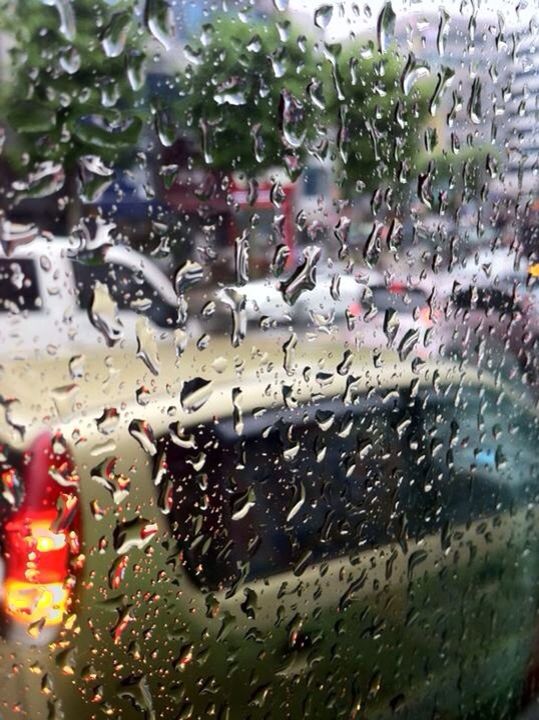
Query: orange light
pixel 46 540
pixel 533 270
pixel 29 602
pixel 424 316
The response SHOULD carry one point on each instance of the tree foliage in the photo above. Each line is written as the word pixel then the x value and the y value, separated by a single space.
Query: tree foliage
pixel 258 101
pixel 74 88
pixel 251 96
pixel 379 119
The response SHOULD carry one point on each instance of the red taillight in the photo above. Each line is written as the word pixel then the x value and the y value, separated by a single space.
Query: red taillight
pixel 531 684
pixel 41 537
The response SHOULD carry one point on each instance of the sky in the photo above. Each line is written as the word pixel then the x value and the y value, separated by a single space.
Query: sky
pixel 514 12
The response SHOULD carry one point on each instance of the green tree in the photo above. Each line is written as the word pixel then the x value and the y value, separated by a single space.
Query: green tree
pixel 75 87
pixel 380 113
pixel 252 96
pixel 463 173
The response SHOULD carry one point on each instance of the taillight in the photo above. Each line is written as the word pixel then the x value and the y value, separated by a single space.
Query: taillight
pixel 41 537
pixel 531 684
pixel 427 316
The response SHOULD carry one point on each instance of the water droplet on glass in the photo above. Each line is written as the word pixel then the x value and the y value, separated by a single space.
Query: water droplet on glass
pixel 147 345
pixel 135 533
pixel 386 27
pixel 303 278
pixel 474 106
pixel 67 17
pixel 195 393
pixel 236 301
pixel 108 422
pixel 159 20
pixel 322 16
pixel 115 34
pixel 102 313
pixel 143 434
pixel 413 71
pixel 188 274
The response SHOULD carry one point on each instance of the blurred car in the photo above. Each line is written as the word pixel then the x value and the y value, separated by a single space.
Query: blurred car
pixel 495 325
pixel 329 298
pixel 50 293
pixel 325 542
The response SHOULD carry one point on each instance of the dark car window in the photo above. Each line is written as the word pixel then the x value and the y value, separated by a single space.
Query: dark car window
pixel 472 456
pixel 128 289
pixel 486 299
pixel 307 488
pixel 397 298
pixel 19 288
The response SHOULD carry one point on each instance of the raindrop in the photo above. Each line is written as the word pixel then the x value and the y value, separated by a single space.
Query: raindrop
pixel 95 165
pixel 76 367
pixel 102 313
pixel 291 118
pixel 280 259
pixel 241 258
pixel 297 501
pixel 474 106
pixel 391 325
pixel 195 393
pixel 135 533
pixel 238 413
pixel 255 44
pixel 67 507
pixel 70 61
pixel 115 34
pixel 236 301
pixel 165 128
pixel 188 274
pixel 386 27
pixel 322 16
pixel 408 343
pixel 117 484
pixel 147 345
pixel 413 71
pixel 303 278
pixel 242 502
pixel 136 70
pixel 143 434
pixel 289 352
pixel 207 34
pixel 258 142
pixel 445 78
pixel 443 29
pixel 67 17
pixel 108 422
pixel 159 20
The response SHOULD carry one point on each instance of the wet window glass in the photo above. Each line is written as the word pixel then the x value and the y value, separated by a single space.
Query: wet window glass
pixel 269 359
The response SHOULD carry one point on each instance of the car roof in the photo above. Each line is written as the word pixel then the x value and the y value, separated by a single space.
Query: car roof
pixel 256 368
pixel 68 248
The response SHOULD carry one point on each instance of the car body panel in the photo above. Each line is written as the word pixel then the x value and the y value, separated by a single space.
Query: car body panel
pixel 157 643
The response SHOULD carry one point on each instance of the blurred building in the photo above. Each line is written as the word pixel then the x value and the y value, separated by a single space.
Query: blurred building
pixel 523 116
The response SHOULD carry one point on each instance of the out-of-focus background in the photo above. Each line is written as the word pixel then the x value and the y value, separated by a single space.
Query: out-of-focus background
pixel 269 332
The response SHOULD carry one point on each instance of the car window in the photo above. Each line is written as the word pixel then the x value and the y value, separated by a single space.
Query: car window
pixel 397 298
pixel 128 289
pixel 472 457
pixel 19 289
pixel 486 299
pixel 294 490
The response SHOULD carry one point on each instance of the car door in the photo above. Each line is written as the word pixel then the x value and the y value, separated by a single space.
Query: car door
pixel 472 478
pixel 281 531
